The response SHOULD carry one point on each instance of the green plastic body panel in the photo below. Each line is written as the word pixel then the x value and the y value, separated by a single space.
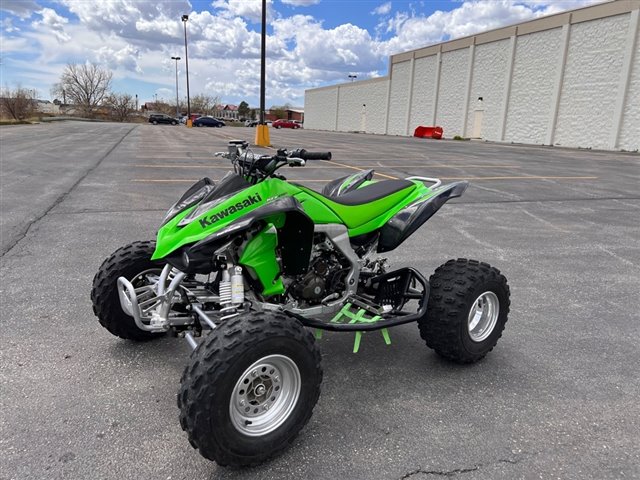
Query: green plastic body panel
pixel 358 219
pixel 172 236
pixel 260 256
pixel 356 215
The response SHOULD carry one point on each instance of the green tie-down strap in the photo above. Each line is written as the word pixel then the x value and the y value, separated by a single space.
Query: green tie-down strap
pixel 356 315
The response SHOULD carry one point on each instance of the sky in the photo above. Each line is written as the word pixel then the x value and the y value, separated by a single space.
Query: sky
pixel 310 43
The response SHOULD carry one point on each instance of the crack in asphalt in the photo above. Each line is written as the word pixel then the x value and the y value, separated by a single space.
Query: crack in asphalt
pixel 457 471
pixel 25 231
pixel 442 473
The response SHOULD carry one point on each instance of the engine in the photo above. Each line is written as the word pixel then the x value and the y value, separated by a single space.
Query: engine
pixel 327 271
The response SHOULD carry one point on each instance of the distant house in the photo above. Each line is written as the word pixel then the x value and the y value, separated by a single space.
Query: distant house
pixel 45 106
pixel 228 111
pixel 290 114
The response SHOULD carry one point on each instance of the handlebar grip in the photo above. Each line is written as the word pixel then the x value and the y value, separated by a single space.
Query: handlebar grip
pixel 305 155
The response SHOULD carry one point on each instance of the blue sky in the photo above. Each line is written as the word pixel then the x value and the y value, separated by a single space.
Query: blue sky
pixel 311 42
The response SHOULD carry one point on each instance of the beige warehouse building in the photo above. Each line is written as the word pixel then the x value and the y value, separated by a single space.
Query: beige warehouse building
pixel 571 79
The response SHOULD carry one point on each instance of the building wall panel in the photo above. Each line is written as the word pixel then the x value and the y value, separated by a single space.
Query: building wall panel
pixel 370 118
pixel 423 83
pixel 399 98
pixel 453 80
pixel 591 77
pixel 629 138
pixel 488 79
pixel 320 108
pixel 534 78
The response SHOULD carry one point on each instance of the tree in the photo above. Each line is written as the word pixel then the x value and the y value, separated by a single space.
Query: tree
pixel 243 110
pixel 121 105
pixel 279 112
pixel 203 103
pixel 84 85
pixel 18 103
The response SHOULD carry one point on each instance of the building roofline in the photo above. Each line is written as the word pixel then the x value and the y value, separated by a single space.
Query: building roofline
pixel 605 9
pixel 608 8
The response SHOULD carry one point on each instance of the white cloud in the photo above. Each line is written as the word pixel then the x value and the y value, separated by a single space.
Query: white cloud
pixel 7 26
pixel 383 9
pixel 125 57
pixel 20 8
pixel 300 3
pixel 249 9
pixel 54 22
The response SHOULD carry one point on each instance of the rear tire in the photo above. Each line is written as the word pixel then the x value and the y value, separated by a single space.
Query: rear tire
pixel 129 261
pixel 467 310
pixel 249 388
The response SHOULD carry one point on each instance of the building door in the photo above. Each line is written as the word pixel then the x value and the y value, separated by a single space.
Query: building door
pixel 478 113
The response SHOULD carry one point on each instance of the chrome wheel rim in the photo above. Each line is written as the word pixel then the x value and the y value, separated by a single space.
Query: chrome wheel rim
pixel 483 316
pixel 265 395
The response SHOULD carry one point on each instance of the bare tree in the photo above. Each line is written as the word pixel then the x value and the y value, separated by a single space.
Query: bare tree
pixel 84 85
pixel 18 103
pixel 121 104
pixel 203 103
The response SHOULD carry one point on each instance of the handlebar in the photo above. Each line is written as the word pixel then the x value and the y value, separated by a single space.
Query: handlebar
pixel 306 155
pixel 261 166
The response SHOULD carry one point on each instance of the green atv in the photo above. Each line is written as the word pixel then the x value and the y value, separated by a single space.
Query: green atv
pixel 240 268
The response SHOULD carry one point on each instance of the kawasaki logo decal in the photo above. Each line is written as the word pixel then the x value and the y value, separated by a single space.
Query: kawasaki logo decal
pixel 211 219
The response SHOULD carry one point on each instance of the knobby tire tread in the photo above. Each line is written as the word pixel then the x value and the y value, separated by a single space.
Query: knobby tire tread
pixel 209 364
pixel 104 294
pixel 452 285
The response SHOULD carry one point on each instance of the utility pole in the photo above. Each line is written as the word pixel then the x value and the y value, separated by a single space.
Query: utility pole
pixel 177 100
pixel 262 131
pixel 186 59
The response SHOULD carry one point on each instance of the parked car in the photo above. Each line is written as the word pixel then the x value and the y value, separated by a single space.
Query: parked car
pixel 281 123
pixel 250 123
pixel 207 122
pixel 157 118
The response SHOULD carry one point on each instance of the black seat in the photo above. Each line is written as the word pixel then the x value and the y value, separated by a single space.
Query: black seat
pixel 372 192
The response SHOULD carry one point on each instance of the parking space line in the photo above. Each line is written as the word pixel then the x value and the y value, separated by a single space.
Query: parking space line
pixel 519 178
pixel 142 165
pixel 359 169
pixel 335 165
pixel 191 180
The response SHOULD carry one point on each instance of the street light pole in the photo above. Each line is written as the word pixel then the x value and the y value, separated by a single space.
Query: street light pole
pixel 262 131
pixel 177 101
pixel 353 77
pixel 186 59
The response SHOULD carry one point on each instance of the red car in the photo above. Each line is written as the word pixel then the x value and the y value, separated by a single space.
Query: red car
pixel 281 123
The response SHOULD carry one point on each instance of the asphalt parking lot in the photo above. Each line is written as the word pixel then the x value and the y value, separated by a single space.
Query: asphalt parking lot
pixel 557 398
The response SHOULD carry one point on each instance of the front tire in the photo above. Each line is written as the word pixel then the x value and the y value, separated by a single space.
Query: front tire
pixel 249 388
pixel 467 310
pixel 133 262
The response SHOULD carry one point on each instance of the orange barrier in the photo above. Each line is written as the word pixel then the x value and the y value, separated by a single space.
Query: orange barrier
pixel 428 132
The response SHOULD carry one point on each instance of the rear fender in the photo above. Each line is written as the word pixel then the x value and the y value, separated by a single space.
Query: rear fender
pixel 410 218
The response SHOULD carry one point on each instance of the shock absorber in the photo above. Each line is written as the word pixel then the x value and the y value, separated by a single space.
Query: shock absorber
pixel 231 291
pixel 237 285
pixel 225 288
